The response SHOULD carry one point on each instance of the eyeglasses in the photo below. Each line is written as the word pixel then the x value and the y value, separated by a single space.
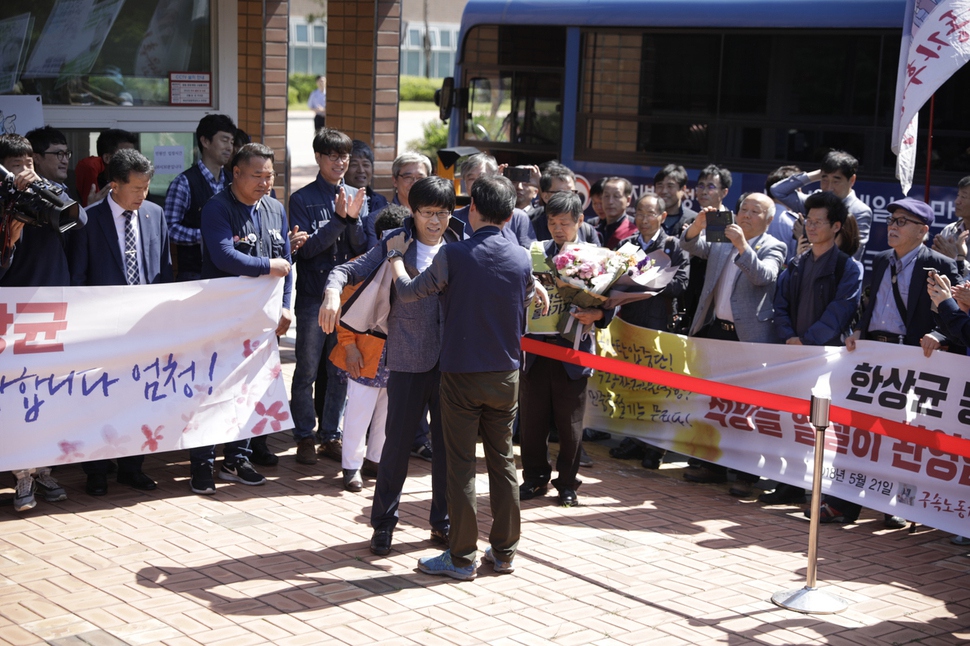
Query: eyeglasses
pixel 707 187
pixel 334 157
pixel 814 224
pixel 440 216
pixel 900 222
pixel 62 155
pixel 410 178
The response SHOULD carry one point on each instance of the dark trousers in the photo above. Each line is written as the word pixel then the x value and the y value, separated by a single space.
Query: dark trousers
pixel 203 457
pixel 319 121
pixel 548 395
pixel 715 331
pixel 409 395
pixel 473 404
pixel 128 464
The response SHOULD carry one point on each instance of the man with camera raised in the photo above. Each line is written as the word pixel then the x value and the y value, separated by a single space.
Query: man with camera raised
pixel 743 263
pixel 32 256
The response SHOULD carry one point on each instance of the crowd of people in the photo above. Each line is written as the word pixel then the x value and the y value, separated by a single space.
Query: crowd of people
pixel 446 365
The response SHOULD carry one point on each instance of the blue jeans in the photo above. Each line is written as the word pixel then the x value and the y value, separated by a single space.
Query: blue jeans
pixel 312 347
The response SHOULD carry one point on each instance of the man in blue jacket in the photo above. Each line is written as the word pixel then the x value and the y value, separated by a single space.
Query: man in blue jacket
pixel 244 233
pixel 485 283
pixel 331 213
pixel 125 243
pixel 816 296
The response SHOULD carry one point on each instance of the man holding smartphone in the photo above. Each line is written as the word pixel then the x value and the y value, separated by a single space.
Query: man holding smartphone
pixel 737 293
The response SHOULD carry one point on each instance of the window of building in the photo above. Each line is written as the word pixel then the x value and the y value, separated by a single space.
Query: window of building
pixel 308 47
pixel 442 38
pixel 72 53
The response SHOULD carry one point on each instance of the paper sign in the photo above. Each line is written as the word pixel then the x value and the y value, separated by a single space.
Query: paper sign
pixel 169 160
pixel 20 114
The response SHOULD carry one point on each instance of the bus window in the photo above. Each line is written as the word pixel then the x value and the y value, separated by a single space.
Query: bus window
pixel 514 76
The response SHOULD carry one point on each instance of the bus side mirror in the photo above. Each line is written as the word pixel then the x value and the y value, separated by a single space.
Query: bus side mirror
pixel 445 98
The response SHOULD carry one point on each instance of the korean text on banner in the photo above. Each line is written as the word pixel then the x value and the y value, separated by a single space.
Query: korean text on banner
pixel 922 484
pixel 101 372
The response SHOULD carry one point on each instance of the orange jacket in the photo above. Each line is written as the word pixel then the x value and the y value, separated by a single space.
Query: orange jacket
pixel 370 346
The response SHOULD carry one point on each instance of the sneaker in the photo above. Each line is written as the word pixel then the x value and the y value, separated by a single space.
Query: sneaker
pixel 241 472
pixel 48 486
pixel 498 565
pixel 23 498
pixel 584 459
pixel 306 451
pixel 442 565
pixel 332 449
pixel 422 451
pixel 352 480
pixel 202 482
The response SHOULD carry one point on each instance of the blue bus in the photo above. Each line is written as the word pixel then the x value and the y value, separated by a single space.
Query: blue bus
pixel 624 87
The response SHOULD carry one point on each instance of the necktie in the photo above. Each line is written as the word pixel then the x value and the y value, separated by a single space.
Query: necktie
pixel 131 251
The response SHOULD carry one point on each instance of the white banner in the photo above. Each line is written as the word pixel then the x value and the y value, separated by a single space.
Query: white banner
pixel 936 43
pixel 101 372
pixel 889 381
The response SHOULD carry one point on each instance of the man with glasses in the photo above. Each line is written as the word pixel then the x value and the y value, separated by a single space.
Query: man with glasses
pixel 330 213
pixel 414 333
pixel 816 297
pixel 896 308
pixel 51 155
pixel 737 294
pixel 407 169
pixel 712 187
pixel 244 233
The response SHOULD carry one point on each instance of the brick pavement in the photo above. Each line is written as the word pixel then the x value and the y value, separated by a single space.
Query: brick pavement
pixel 646 559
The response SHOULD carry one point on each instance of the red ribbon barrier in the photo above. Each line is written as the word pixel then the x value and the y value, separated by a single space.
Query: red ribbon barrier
pixel 897 430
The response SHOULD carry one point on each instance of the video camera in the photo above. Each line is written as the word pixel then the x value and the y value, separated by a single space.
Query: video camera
pixel 42 204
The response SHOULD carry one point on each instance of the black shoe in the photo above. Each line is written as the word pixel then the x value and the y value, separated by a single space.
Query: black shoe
pixel 422 451
pixel 893 522
pixel 784 494
pixel 629 449
pixel 584 459
pixel 531 489
pixel 440 536
pixel 97 484
pixel 592 435
pixel 704 475
pixel 567 497
pixel 652 458
pixel 380 542
pixel 136 479
pixel 202 481
pixel 242 472
pixel 262 455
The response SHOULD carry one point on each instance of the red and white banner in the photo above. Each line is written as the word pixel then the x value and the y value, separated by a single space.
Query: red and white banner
pixel 898 417
pixel 935 44
pixel 102 372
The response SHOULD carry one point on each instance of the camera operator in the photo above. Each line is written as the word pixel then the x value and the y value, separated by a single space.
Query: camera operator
pixel 33 256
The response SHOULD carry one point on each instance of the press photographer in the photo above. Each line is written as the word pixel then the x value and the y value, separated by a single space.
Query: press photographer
pixel 33 256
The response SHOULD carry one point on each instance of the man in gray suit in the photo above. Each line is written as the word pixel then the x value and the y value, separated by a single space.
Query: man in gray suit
pixel 414 333
pixel 736 302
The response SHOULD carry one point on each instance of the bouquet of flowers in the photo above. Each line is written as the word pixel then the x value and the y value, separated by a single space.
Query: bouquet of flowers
pixel 589 276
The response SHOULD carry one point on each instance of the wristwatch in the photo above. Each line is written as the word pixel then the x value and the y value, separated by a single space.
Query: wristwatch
pixel 394 253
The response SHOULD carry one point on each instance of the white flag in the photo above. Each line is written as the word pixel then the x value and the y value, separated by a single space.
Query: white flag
pixel 936 43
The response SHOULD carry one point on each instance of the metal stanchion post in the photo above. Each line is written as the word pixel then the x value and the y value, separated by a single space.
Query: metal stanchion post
pixel 810 599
